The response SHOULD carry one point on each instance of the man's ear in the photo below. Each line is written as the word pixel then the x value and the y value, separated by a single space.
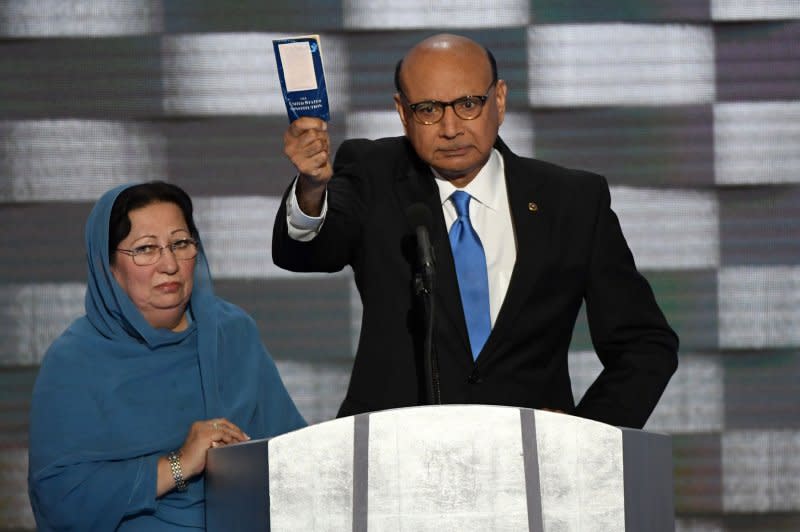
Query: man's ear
pixel 401 110
pixel 501 91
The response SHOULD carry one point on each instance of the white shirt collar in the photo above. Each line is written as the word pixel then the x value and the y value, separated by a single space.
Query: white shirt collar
pixel 483 187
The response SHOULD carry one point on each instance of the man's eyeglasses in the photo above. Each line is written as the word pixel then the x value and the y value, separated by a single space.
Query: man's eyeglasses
pixel 466 108
pixel 183 249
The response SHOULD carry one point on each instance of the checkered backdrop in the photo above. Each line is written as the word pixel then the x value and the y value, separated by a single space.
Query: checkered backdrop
pixel 691 108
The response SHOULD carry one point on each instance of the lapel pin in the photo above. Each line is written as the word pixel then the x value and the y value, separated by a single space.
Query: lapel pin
pixel 533 207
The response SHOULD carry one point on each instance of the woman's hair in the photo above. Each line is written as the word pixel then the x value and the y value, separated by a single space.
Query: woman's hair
pixel 138 196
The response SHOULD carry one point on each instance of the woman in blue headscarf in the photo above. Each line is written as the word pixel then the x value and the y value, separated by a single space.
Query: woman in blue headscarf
pixel 131 396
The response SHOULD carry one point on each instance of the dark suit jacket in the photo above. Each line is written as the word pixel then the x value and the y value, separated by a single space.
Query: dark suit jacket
pixel 570 250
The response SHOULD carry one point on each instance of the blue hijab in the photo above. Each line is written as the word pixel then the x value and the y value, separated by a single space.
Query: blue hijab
pixel 114 394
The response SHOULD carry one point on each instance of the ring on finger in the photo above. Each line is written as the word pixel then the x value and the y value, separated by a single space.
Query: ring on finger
pixel 215 425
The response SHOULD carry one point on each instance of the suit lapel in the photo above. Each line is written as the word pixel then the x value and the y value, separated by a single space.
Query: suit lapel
pixel 532 220
pixel 415 184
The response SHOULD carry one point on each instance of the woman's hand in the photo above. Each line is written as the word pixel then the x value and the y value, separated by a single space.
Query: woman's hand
pixel 202 436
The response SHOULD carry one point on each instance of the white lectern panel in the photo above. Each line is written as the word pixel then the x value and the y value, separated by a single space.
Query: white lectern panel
pixel 442 468
pixel 311 478
pixel 447 468
pixel 580 473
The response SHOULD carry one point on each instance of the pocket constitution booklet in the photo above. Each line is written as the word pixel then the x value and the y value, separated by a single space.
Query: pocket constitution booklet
pixel 299 61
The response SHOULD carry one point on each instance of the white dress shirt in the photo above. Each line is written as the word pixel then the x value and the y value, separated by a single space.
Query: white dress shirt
pixel 489 213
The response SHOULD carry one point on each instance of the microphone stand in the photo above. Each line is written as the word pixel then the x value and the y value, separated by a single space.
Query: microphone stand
pixel 424 288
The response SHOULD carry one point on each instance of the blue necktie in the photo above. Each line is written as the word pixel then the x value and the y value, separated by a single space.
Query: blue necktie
pixel 473 281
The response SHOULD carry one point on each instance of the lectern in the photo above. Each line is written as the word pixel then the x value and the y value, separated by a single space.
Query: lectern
pixel 445 468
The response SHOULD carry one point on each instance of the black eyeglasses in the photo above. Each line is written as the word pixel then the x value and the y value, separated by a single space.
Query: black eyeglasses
pixel 183 249
pixel 466 108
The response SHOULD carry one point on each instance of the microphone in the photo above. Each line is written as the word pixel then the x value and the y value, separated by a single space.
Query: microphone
pixel 421 219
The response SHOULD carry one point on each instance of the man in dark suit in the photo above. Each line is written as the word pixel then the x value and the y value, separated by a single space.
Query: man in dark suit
pixel 516 255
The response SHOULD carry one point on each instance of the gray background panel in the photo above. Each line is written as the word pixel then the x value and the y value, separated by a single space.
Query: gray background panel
pixel 186 91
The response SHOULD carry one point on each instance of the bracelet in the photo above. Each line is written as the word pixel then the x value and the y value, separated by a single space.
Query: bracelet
pixel 174 459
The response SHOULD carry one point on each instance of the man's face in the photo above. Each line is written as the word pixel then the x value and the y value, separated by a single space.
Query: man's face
pixel 456 148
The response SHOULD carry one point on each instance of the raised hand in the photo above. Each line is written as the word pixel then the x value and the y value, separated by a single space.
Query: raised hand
pixel 306 143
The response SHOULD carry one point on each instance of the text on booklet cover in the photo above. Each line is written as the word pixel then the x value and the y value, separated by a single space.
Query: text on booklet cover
pixel 299 61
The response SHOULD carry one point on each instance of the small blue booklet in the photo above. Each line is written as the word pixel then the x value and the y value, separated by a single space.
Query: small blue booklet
pixel 299 61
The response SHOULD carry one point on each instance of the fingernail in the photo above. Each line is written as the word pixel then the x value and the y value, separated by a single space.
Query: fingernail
pixel 324 126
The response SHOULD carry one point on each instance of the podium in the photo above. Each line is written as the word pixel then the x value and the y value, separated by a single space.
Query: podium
pixel 442 469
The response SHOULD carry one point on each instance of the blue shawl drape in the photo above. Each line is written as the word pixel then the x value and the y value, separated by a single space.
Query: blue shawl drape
pixel 114 394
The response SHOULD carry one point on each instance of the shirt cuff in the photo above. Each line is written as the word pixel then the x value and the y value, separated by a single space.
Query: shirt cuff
pixel 303 227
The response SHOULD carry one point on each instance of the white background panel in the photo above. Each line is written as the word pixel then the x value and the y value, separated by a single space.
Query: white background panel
pixel 61 18
pixel 760 471
pixel 374 124
pixel 423 478
pixel 759 306
pixel 33 315
pixel 388 14
pixel 518 132
pixel 669 229
pixel 237 234
pixel 76 159
pixel 356 313
pixel 220 74
pixel 584 367
pixel 754 9
pixel 757 142
pixel 692 401
pixel 620 64
pixel 236 73
pixel 317 390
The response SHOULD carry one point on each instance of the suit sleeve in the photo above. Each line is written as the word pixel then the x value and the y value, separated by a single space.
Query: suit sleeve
pixel 629 332
pixel 337 242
